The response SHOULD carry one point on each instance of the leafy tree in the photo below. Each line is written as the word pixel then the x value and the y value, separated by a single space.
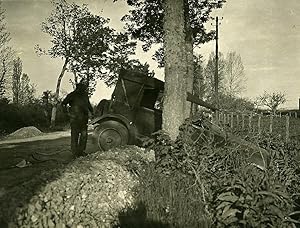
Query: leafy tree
pixel 16 79
pixel 6 54
pixel 89 52
pixel 105 64
pixel 23 90
pixel 145 22
pixel 231 78
pixel 209 72
pixel 60 25
pixel 153 22
pixel 79 38
pixel 27 90
pixel 89 48
pixel 272 100
pixel 234 81
pixel 199 82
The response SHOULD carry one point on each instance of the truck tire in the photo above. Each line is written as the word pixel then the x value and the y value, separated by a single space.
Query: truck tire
pixel 110 134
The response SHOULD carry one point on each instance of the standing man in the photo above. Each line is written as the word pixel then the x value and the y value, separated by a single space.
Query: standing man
pixel 80 106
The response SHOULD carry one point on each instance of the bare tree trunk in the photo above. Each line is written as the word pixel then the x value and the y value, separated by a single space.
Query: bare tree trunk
pixel 189 58
pixel 175 68
pixel 75 78
pixel 2 78
pixel 54 108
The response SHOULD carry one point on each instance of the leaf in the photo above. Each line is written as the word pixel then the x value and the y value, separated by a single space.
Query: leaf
pixel 219 215
pixel 243 222
pixel 230 220
pixel 228 196
pixel 237 187
pixel 291 220
pixel 277 211
pixel 283 194
pixel 250 198
pixel 294 213
pixel 268 194
pixel 229 213
pixel 223 204
pixel 246 213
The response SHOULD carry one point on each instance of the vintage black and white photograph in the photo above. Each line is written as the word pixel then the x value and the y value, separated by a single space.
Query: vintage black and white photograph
pixel 149 113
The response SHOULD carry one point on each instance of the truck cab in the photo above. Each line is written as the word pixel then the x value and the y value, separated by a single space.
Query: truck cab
pixel 133 112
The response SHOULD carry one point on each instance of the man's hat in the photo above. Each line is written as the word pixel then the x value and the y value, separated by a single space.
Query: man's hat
pixel 82 85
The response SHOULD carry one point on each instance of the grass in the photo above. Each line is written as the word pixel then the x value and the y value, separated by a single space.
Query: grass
pixel 166 201
pixel 177 201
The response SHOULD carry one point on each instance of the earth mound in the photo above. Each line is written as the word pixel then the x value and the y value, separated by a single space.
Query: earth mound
pixel 25 132
pixel 91 191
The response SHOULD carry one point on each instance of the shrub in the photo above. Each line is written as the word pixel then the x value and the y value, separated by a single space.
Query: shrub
pixel 228 189
pixel 13 117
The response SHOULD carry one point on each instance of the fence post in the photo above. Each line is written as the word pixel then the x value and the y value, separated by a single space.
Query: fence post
pixel 243 121
pixel 287 129
pixel 295 114
pixel 259 124
pixel 237 121
pixel 217 120
pixel 223 118
pixel 250 122
pixel 231 121
pixel 271 123
pixel 228 118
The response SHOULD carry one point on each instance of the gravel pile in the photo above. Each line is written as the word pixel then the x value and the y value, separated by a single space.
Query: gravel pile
pixel 90 192
pixel 25 132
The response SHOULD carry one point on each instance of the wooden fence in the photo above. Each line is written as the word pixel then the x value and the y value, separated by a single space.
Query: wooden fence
pixel 286 126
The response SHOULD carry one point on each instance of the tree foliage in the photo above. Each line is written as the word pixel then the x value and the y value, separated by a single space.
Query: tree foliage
pixel 16 79
pixel 199 83
pixel 23 90
pixel 60 26
pixel 85 43
pixel 231 77
pixel 92 49
pixel 210 70
pixel 27 90
pixel 6 54
pixel 235 77
pixel 145 22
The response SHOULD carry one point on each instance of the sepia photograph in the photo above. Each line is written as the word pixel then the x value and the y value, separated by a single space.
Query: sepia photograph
pixel 149 113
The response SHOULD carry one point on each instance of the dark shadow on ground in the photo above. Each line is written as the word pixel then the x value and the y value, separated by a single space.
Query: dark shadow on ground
pixel 137 218
pixel 19 185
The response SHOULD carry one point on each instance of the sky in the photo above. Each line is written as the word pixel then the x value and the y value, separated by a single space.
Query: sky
pixel 266 33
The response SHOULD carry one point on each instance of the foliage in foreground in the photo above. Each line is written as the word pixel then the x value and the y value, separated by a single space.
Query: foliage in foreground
pixel 198 184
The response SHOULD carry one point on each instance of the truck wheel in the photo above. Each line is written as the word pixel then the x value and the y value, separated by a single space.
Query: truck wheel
pixel 110 134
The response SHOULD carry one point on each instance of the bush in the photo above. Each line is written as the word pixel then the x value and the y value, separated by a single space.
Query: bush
pixel 13 117
pixel 218 175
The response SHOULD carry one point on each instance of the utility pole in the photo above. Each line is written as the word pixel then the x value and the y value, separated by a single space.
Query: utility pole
pixel 217 64
pixel 216 84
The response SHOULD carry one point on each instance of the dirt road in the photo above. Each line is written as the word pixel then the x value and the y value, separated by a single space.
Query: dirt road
pixel 55 148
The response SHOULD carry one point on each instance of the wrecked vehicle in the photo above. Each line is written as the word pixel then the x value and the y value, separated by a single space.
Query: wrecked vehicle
pixel 132 113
